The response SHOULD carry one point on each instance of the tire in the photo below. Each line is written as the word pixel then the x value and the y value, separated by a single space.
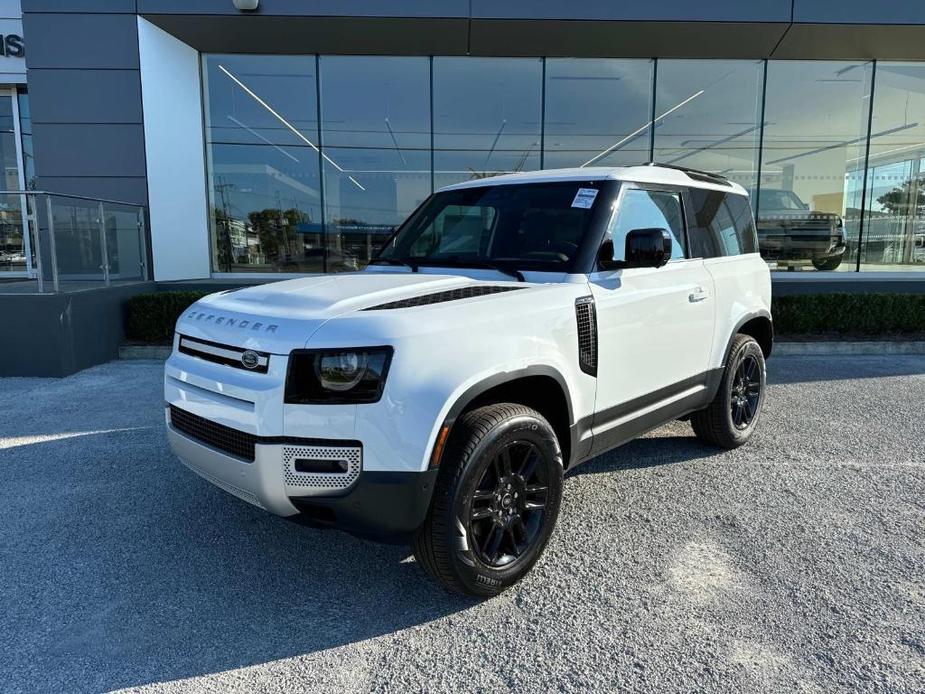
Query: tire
pixel 830 263
pixel 502 463
pixel 731 418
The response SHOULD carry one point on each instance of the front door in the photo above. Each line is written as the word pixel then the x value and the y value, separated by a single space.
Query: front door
pixel 655 325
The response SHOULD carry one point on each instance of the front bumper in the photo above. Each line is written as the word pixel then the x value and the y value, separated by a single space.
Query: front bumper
pixel 383 505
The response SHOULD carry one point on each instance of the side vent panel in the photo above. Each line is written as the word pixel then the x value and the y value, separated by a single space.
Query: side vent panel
pixel 586 317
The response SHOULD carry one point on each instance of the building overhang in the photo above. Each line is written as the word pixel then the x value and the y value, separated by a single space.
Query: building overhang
pixel 580 38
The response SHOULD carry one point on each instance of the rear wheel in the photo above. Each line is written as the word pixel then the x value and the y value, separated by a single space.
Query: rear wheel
pixel 496 500
pixel 732 416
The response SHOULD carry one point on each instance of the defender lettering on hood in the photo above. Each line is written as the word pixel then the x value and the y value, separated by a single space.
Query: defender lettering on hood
pixel 228 321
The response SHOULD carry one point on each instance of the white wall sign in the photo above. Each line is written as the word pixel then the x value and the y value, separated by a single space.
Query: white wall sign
pixel 12 51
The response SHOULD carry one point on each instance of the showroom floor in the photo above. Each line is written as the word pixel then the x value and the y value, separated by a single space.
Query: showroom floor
pixel 796 563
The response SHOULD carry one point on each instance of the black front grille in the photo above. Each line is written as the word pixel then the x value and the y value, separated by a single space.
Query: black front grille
pixel 586 316
pixel 231 441
pixel 440 297
pixel 188 346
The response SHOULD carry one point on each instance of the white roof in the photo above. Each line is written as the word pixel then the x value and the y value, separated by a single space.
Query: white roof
pixel 639 174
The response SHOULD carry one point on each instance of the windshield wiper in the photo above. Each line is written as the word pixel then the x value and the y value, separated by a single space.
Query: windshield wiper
pixel 407 262
pixel 461 261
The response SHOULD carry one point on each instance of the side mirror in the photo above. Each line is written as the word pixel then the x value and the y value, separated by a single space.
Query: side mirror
pixel 644 248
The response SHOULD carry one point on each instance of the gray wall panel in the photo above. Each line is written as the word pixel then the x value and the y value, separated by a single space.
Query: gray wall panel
pixel 81 40
pixel 123 189
pixel 859 11
pixel 104 6
pixel 85 96
pixel 69 149
pixel 664 10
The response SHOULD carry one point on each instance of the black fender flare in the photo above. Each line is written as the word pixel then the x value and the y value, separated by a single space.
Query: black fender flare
pixel 477 389
pixel 738 326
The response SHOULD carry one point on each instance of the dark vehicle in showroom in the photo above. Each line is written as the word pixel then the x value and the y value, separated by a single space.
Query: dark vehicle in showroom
pixel 789 231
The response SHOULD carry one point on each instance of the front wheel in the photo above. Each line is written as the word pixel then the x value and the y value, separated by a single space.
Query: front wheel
pixel 827 264
pixel 731 418
pixel 496 500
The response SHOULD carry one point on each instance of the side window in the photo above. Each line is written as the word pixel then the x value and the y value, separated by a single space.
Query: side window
pixel 744 222
pixel 724 224
pixel 645 209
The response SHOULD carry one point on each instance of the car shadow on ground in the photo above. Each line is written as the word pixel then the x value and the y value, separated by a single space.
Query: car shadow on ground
pixel 140 572
pixel 649 452
pixel 133 571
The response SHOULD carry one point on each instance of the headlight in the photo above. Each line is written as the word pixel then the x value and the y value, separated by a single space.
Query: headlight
pixel 332 376
pixel 839 223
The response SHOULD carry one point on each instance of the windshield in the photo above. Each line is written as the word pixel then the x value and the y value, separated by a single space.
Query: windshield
pixel 532 226
pixel 780 200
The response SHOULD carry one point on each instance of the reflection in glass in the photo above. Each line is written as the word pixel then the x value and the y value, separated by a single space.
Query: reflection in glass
pixel 12 242
pixel 487 115
pixel 708 116
pixel 812 163
pixel 375 115
pixel 262 135
pixel 597 112
pixel 894 215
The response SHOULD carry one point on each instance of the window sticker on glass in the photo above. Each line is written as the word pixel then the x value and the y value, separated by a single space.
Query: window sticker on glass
pixel 584 198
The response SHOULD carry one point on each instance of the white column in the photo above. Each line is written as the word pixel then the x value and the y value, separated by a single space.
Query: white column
pixel 172 104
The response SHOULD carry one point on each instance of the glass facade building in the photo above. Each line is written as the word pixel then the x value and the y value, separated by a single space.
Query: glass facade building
pixel 313 160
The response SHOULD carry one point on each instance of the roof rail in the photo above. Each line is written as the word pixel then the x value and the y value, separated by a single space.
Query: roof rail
pixel 696 174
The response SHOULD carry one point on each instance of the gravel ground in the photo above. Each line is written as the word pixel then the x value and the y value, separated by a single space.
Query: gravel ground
pixel 795 563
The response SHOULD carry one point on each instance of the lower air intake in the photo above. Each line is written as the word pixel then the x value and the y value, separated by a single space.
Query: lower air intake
pixel 302 466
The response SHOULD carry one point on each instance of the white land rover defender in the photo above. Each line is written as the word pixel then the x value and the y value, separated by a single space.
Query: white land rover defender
pixel 509 330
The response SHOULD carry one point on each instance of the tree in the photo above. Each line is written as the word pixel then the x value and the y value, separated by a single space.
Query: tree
pixel 907 199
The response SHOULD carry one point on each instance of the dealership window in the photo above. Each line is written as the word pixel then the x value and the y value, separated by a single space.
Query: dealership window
pixel 487 117
pixel 812 168
pixel 708 116
pixel 597 112
pixel 893 237
pixel 263 161
pixel 375 115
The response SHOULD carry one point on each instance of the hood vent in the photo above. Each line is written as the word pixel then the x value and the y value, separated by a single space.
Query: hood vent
pixel 440 297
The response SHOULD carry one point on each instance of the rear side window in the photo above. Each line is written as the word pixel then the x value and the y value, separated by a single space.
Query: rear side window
pixel 744 223
pixel 649 209
pixel 724 224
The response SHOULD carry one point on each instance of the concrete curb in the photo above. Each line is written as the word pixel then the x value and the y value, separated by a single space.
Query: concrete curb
pixel 144 352
pixel 781 349
pixel 837 348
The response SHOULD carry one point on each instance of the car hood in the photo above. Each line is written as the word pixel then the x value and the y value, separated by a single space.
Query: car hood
pixel 281 316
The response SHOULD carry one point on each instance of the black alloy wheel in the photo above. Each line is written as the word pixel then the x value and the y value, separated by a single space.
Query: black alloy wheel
pixel 495 501
pixel 746 392
pixel 731 417
pixel 508 505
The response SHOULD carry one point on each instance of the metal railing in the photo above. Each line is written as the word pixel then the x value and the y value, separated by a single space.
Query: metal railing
pixel 76 239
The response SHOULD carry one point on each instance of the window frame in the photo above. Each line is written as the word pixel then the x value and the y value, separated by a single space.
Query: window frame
pixel 680 191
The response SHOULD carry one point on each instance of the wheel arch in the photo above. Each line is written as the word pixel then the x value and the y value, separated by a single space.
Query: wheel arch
pixel 540 387
pixel 758 325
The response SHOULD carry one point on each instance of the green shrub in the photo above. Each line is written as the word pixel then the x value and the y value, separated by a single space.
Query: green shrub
pixel 152 317
pixel 849 314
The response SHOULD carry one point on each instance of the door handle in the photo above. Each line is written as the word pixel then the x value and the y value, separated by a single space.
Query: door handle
pixel 697 295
